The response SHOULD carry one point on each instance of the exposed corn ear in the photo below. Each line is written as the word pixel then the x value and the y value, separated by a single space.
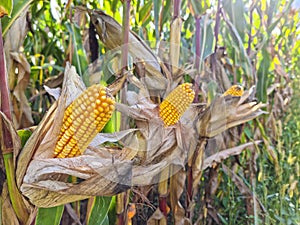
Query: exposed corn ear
pixel 83 119
pixel 234 90
pixel 176 103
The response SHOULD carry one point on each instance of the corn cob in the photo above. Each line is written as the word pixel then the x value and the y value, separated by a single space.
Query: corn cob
pixel 176 103
pixel 83 119
pixel 234 90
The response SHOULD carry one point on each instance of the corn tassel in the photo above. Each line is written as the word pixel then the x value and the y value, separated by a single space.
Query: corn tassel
pixel 234 90
pixel 83 119
pixel 176 103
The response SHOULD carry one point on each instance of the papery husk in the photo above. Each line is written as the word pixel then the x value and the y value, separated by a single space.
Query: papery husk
pixel 164 146
pixel 110 33
pixel 226 112
pixel 18 82
pixel 221 114
pixel 7 211
pixel 224 154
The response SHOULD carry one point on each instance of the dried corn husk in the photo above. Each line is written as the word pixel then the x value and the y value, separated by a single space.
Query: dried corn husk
pixel 110 33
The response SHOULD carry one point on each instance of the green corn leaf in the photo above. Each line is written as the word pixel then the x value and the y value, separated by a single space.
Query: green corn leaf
pixel 236 12
pixel 24 136
pixel 18 7
pixel 166 15
pixel 239 49
pixel 207 37
pixel 79 55
pixel 157 4
pixel 49 216
pixel 99 210
pixel 262 75
pixel 145 12
pixel 199 7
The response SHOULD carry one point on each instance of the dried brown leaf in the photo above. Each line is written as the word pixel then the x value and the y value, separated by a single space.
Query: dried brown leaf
pixel 224 154
pixel 227 112
pixel 24 117
pixel 196 162
pixel 110 33
pixel 110 137
pixel 177 185
pixel 54 81
pixel 8 215
pixel 164 146
pixel 101 177
pixel 16 34
pixel 156 217
pixel 18 82
pixel 175 36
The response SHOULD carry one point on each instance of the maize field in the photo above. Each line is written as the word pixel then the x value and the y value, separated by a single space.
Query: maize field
pixel 149 112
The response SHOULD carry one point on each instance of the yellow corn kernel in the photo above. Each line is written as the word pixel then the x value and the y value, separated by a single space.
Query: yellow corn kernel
pixel 176 103
pixel 83 119
pixel 234 90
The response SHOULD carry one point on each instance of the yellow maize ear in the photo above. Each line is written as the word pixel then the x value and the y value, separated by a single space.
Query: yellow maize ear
pixel 83 119
pixel 234 90
pixel 176 103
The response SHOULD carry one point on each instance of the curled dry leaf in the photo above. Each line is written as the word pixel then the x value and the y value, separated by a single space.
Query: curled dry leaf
pixel 110 33
pixel 22 110
pixel 223 113
pixel 226 112
pixel 224 154
pixel 16 61
pixel 155 217
pixel 5 122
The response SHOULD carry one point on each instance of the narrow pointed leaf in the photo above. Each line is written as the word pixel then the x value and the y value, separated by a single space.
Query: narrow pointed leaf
pixel 262 75
pixel 49 216
pixel 18 7
pixel 99 211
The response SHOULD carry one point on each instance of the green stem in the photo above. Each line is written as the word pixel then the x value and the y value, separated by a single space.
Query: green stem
pixel 14 194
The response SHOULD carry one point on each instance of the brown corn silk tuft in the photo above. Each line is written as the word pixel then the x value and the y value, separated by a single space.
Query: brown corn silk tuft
pixel 83 119
pixel 176 103
pixel 234 90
